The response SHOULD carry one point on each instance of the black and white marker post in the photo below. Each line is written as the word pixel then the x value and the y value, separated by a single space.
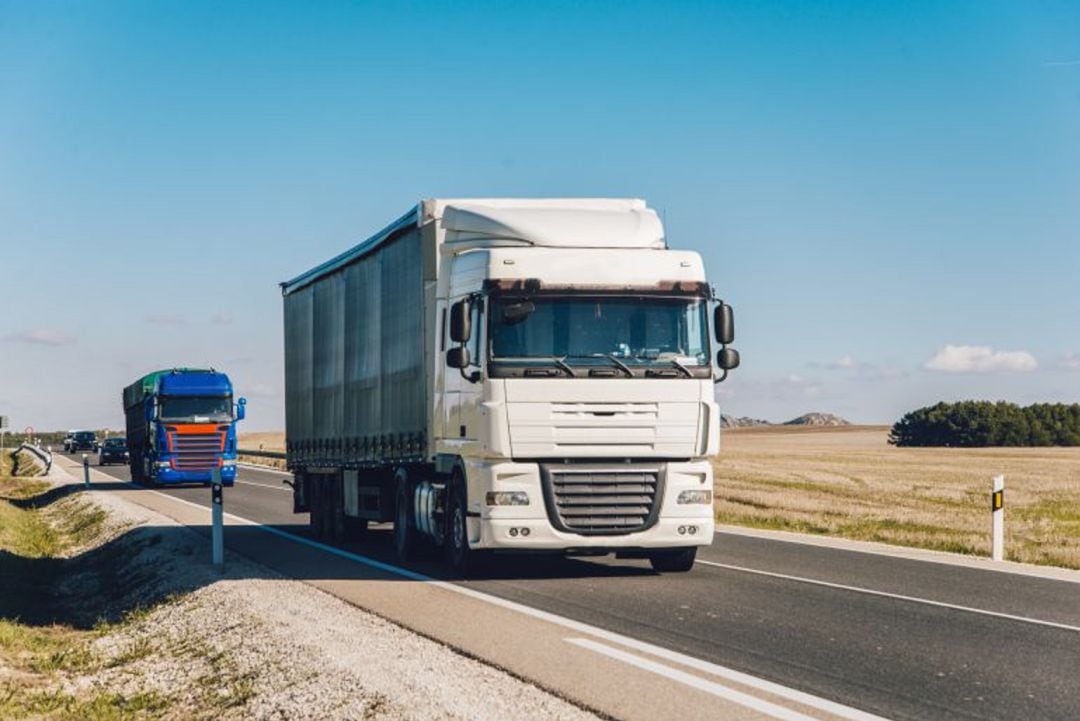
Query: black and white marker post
pixel 997 513
pixel 86 470
pixel 217 535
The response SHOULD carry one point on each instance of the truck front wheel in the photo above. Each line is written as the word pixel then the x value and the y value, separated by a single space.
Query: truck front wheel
pixel 680 560
pixel 463 559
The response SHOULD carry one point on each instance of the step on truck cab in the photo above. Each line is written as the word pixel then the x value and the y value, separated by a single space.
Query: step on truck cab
pixel 181 425
pixel 509 375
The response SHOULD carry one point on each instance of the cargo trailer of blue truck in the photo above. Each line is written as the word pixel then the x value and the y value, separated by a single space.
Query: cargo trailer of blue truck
pixel 181 425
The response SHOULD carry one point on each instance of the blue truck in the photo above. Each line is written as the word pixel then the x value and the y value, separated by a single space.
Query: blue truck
pixel 181 424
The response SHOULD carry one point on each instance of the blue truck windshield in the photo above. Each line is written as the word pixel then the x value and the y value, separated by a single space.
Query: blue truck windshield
pixel 638 330
pixel 198 409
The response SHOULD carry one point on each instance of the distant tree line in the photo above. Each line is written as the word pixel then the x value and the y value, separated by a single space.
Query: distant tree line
pixel 976 424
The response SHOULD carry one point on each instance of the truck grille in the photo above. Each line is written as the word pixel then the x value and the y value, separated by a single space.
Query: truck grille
pixel 602 500
pixel 196 451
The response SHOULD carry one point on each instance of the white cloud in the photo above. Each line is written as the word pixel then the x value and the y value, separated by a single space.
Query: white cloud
pixel 42 336
pixel 980 359
pixel 845 361
pixel 1070 362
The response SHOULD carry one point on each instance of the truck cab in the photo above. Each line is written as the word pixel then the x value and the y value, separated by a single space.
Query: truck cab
pixel 181 426
pixel 578 382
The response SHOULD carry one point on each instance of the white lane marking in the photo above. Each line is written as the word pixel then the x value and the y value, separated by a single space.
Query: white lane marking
pixel 266 469
pixel 710 687
pixel 263 485
pixel 660 652
pixel 897 596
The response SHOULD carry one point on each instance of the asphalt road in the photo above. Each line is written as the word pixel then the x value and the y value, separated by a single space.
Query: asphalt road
pixel 905 639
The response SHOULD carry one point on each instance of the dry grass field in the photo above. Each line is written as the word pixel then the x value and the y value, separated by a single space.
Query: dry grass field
pixel 849 482
pixel 273 441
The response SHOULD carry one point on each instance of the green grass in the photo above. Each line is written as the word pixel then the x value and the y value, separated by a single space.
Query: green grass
pixel 18 703
pixel 27 533
pixel 34 657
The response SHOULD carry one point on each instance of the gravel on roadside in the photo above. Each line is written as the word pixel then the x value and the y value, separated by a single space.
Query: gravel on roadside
pixel 251 644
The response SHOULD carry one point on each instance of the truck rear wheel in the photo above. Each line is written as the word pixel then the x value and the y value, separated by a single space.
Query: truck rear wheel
pixel 405 535
pixel 679 560
pixel 327 507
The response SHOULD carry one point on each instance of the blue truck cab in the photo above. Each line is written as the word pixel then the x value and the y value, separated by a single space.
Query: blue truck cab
pixel 181 424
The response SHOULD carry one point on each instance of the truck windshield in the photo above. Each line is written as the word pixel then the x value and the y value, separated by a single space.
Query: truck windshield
pixel 633 330
pixel 196 408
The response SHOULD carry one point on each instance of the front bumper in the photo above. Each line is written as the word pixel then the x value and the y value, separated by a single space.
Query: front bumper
pixel 169 475
pixel 530 527
pixel 508 535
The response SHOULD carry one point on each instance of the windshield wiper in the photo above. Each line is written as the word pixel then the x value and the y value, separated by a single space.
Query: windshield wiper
pixel 618 363
pixel 561 363
pixel 686 371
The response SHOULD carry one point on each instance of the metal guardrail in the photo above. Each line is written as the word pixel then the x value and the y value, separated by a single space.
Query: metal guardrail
pixel 43 455
pixel 260 454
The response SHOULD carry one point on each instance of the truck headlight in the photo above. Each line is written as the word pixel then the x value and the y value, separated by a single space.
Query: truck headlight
pixel 163 464
pixel 694 496
pixel 507 498
pixel 228 462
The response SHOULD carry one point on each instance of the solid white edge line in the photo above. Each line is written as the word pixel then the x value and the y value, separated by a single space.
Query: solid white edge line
pixel 907 553
pixel 710 687
pixel 761 684
pixel 263 485
pixel 897 596
pixel 266 469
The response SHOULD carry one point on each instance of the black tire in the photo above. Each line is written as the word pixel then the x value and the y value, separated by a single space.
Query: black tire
pixel 679 560
pixel 462 559
pixel 405 535
pixel 355 529
pixel 316 501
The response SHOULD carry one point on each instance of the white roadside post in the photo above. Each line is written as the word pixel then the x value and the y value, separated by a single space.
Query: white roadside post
pixel 997 513
pixel 217 536
pixel 86 470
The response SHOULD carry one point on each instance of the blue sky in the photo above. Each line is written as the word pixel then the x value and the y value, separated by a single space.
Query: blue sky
pixel 869 183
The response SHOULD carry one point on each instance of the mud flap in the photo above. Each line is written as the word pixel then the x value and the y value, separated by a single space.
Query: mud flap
pixel 300 502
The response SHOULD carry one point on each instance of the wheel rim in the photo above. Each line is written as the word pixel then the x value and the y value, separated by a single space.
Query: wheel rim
pixel 459 529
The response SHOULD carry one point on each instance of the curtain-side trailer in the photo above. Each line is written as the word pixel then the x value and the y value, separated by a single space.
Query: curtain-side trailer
pixel 528 375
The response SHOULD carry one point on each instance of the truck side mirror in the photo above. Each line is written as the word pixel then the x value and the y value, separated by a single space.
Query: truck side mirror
pixel 241 406
pixel 148 411
pixel 724 323
pixel 461 321
pixel 458 357
pixel 727 359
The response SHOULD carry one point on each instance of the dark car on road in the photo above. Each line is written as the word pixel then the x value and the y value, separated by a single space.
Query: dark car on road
pixel 112 450
pixel 83 441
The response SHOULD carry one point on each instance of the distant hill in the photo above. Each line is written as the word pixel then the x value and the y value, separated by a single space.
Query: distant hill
pixel 727 421
pixel 818 419
pixel 807 419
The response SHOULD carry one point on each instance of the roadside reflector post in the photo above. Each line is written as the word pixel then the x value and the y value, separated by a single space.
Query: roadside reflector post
pixel 997 513
pixel 217 536
pixel 86 470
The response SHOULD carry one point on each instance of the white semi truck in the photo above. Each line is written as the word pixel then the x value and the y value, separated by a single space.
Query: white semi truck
pixel 509 375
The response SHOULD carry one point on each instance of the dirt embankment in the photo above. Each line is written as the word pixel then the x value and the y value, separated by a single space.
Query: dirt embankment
pixel 109 611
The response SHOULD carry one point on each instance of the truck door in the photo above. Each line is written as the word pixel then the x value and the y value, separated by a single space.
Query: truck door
pixel 462 396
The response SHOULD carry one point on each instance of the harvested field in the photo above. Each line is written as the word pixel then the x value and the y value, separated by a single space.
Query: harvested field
pixel 850 482
pixel 270 441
